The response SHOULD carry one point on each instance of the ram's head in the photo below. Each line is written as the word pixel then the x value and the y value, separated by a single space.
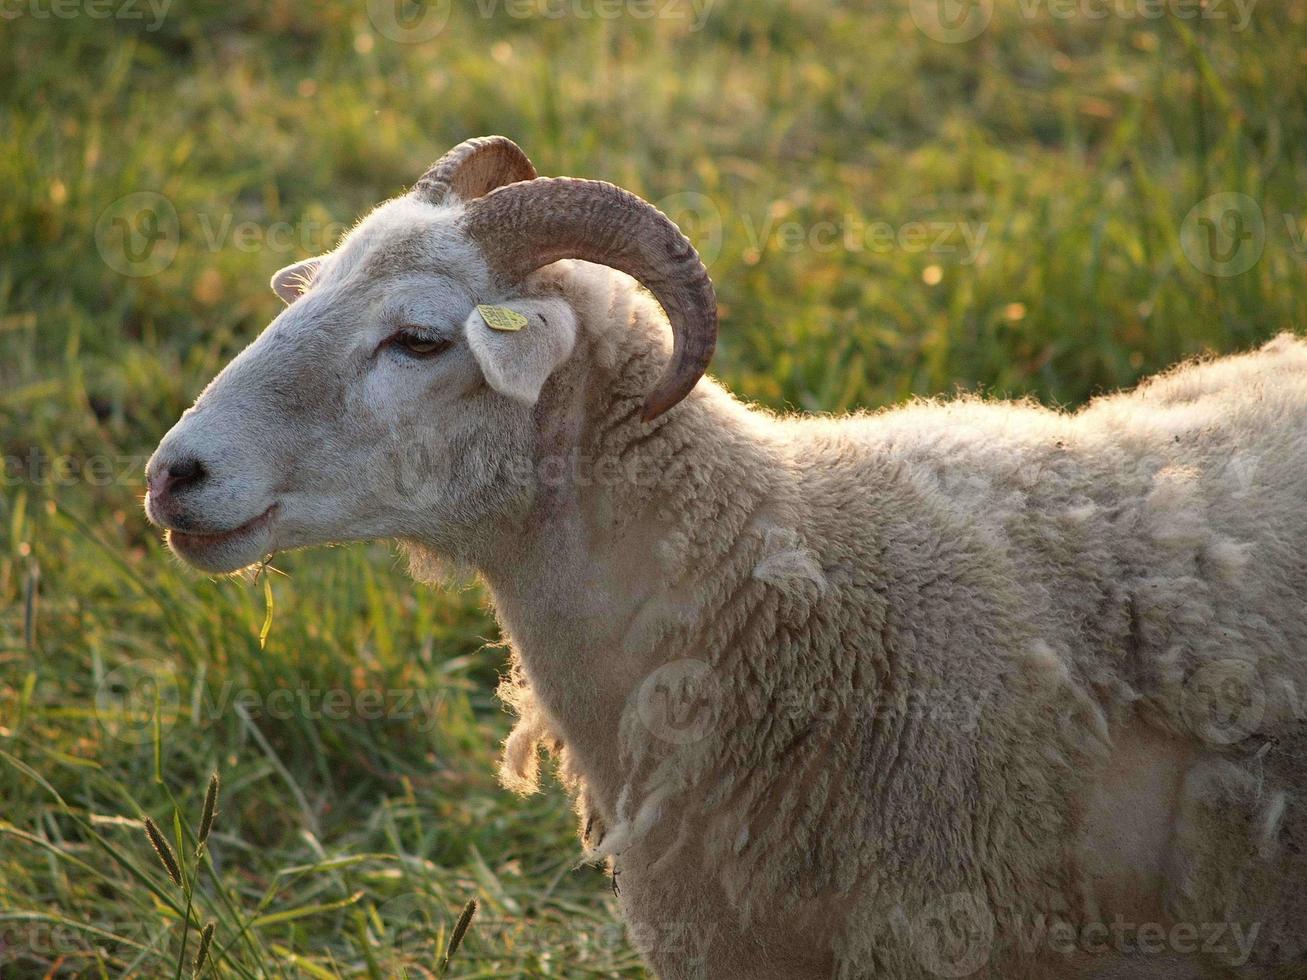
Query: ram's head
pixel 382 403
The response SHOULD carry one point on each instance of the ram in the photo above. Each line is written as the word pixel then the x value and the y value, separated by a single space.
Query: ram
pixel 959 688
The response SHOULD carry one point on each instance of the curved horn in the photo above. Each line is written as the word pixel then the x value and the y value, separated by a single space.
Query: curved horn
pixel 525 226
pixel 473 168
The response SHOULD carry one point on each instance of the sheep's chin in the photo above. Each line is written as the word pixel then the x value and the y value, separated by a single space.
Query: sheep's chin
pixel 227 552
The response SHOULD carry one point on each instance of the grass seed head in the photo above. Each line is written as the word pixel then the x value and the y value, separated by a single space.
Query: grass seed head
pixel 210 811
pixel 202 954
pixel 460 929
pixel 164 850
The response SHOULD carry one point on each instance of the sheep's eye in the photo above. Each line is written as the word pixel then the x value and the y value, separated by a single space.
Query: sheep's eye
pixel 419 344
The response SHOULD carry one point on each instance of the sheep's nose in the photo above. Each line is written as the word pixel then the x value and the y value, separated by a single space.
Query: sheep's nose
pixel 176 475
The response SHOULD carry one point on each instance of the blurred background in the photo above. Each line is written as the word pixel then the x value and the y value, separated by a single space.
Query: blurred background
pixel 1049 198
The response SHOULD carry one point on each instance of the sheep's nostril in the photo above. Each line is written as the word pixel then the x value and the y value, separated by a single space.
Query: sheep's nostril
pixel 184 473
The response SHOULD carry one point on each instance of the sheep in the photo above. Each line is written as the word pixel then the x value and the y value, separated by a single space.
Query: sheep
pixel 958 688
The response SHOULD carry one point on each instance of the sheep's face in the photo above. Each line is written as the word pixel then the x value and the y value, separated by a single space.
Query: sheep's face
pixel 379 404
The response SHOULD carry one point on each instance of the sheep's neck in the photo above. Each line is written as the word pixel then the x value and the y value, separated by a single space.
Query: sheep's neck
pixel 597 590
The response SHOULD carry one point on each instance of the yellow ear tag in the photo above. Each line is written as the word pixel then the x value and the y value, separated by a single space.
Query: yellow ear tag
pixel 502 318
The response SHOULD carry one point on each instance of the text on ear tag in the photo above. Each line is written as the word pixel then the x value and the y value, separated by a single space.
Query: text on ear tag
pixel 501 318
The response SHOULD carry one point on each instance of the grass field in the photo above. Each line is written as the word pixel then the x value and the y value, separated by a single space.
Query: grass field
pixel 1055 206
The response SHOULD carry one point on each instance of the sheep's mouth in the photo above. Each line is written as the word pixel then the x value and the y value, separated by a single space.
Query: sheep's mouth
pixel 228 550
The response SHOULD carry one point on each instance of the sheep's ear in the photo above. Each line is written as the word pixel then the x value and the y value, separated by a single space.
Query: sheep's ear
pixel 518 357
pixel 291 281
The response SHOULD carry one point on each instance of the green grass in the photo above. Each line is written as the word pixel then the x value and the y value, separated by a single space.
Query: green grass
pixel 352 833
